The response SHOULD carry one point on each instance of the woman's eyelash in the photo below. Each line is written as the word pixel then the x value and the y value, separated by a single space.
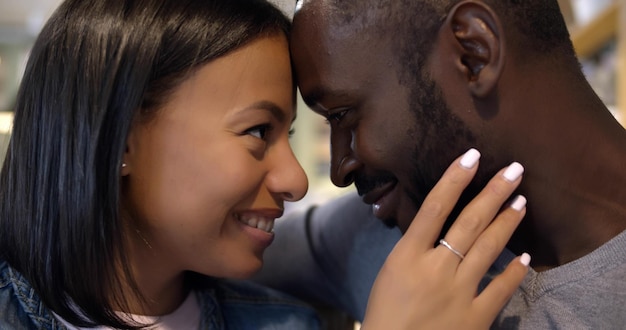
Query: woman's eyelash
pixel 259 131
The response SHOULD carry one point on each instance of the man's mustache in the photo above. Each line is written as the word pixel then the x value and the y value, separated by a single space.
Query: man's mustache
pixel 365 184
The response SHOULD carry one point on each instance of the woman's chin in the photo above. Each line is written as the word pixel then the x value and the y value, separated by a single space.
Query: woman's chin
pixel 246 271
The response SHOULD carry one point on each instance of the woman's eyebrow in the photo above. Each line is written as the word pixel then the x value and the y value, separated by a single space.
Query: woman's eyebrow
pixel 272 107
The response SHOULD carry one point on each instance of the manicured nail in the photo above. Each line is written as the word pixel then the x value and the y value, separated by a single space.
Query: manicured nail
pixel 525 259
pixel 518 203
pixel 470 158
pixel 513 172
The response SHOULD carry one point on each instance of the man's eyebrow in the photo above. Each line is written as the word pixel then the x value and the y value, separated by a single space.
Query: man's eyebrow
pixel 312 97
pixel 319 93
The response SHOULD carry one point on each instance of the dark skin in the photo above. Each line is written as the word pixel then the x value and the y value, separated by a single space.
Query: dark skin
pixel 367 108
pixel 518 104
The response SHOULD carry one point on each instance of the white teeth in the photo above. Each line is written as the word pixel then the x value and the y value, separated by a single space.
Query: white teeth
pixel 265 224
pixel 262 224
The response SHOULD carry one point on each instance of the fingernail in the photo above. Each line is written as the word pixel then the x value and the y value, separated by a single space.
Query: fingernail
pixel 525 259
pixel 513 172
pixel 470 158
pixel 518 203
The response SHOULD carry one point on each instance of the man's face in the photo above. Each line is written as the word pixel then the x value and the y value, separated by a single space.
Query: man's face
pixel 392 138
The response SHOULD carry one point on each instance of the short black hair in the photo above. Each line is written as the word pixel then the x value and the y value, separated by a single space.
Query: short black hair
pixel 412 25
pixel 96 66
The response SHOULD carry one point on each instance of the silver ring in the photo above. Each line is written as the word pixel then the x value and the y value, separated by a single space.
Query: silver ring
pixel 449 247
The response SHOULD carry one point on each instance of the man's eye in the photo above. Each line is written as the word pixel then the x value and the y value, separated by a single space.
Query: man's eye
pixel 259 132
pixel 336 117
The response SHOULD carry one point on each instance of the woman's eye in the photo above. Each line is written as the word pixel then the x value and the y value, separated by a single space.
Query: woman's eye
pixel 259 132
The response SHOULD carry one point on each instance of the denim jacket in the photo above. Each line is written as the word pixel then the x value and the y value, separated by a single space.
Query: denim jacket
pixel 224 304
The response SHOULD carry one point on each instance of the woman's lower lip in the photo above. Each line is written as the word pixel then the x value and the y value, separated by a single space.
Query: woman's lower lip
pixel 261 238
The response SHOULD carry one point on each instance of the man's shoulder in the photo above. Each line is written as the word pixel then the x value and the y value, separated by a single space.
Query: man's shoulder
pixel 588 293
pixel 241 290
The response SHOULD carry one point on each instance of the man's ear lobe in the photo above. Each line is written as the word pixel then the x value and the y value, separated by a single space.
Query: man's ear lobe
pixel 480 42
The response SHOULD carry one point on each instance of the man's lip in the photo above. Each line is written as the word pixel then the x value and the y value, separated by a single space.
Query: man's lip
pixel 377 193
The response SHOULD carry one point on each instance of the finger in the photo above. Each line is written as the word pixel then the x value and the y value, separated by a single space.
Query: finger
pixel 427 224
pixel 483 208
pixel 491 242
pixel 496 295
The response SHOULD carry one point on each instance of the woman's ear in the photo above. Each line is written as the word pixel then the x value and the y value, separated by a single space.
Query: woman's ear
pixel 479 39
pixel 125 166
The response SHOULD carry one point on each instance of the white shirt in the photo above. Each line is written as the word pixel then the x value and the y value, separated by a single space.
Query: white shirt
pixel 185 317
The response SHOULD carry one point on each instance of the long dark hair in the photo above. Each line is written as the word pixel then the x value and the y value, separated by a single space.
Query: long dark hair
pixel 96 66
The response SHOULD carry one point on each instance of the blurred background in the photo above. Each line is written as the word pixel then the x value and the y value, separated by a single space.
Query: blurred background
pixel 598 29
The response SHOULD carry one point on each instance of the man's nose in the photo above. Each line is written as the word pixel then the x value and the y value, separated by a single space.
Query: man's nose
pixel 343 162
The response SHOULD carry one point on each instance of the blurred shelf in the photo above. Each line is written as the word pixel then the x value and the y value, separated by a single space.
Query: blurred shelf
pixel 589 38
pixel 609 25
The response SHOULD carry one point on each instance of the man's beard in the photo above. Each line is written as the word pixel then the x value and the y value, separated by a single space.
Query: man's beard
pixel 439 137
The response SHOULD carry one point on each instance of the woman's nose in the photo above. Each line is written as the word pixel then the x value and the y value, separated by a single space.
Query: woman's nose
pixel 287 178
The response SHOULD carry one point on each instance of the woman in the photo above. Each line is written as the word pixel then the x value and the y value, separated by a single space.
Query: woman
pixel 150 143
pixel 149 157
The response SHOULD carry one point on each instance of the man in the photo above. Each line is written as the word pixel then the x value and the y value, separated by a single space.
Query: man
pixel 407 86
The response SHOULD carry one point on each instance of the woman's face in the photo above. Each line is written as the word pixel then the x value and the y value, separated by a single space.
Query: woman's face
pixel 205 179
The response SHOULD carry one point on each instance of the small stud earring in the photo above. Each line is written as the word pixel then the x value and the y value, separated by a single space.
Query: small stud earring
pixel 123 165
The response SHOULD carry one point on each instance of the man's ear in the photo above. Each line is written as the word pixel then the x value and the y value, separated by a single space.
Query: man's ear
pixel 479 39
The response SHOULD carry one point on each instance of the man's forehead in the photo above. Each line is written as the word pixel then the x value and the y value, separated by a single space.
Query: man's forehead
pixel 340 22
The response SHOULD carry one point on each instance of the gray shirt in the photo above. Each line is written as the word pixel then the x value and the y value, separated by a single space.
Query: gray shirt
pixel 588 293
pixel 334 255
